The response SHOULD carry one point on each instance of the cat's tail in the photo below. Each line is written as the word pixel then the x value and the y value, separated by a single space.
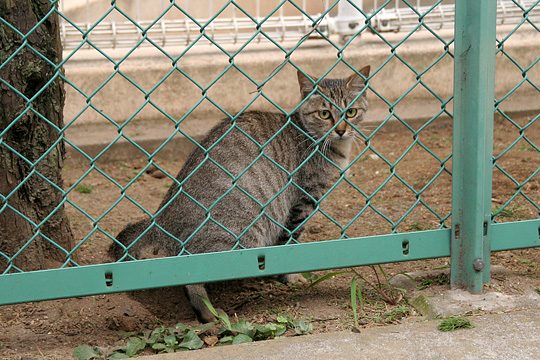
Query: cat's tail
pixel 126 237
pixel 149 249
pixel 195 293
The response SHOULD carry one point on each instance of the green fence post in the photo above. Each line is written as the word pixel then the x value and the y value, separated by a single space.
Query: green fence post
pixel 474 77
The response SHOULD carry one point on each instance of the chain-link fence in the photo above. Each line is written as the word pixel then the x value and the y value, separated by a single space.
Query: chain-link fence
pixel 282 22
pixel 133 116
pixel 519 130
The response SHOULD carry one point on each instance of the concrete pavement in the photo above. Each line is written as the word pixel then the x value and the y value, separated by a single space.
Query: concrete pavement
pixel 511 335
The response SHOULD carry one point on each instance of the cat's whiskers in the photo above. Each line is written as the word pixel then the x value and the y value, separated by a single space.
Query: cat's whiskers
pixel 359 140
pixel 326 146
pixel 368 129
pixel 357 143
pixel 359 137
pixel 303 141
pixel 301 135
pixel 309 148
pixel 313 138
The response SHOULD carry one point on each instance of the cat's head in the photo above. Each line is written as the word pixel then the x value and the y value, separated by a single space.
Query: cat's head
pixel 318 115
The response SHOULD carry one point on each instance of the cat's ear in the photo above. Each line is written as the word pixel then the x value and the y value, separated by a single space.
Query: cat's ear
pixel 306 85
pixel 356 81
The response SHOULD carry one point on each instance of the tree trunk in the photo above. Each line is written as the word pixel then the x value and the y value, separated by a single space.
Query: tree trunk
pixel 34 230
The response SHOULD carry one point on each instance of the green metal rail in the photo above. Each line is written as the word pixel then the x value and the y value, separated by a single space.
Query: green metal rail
pixel 474 233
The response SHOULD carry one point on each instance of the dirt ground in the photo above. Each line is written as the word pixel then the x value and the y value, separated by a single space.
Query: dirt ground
pixel 52 329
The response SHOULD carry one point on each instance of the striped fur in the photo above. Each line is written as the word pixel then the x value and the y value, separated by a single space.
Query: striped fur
pixel 223 203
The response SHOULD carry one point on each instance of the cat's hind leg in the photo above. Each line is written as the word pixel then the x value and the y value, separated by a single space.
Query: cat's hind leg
pixel 195 294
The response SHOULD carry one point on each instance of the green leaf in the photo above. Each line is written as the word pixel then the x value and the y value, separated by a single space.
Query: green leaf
pixel 283 319
pixel 327 276
pixel 209 305
pixel 244 327
pixel 281 329
pixel 309 276
pixel 170 340
pixel 223 331
pixel 117 355
pixel 146 335
pixel 156 335
pixel 158 346
pixel 241 339
pixel 134 346
pixel 224 318
pixel 268 331
pixel 181 327
pixel 86 352
pixel 302 327
pixel 191 341
pixel 220 315
pixel 201 329
pixel 265 331
pixel 226 340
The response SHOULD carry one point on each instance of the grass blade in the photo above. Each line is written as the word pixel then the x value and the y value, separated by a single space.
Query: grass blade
pixel 209 305
pixel 328 276
pixel 360 296
pixel 354 304
pixel 454 323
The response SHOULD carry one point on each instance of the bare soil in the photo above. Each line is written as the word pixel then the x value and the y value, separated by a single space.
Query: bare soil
pixel 52 329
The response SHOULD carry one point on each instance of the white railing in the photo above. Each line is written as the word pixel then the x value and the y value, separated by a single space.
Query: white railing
pixel 344 20
pixel 401 18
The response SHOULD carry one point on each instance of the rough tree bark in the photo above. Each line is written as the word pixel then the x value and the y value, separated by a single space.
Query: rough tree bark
pixel 31 137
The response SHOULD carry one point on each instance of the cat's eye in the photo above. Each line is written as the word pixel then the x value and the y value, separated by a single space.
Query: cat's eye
pixel 324 114
pixel 351 113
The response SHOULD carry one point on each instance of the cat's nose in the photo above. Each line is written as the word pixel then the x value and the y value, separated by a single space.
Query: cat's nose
pixel 340 132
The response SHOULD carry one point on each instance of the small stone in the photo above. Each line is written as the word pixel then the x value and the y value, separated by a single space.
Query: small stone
pixel 155 172
pixel 210 340
pixel 402 281
pixel 113 324
pixel 158 175
pixel 127 311
pixel 315 229
pixel 422 305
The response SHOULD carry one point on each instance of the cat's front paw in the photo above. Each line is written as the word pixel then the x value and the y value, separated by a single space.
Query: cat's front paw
pixel 293 279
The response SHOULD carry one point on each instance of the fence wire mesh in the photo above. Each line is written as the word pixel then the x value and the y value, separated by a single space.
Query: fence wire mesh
pixel 516 162
pixel 398 179
pixel 233 26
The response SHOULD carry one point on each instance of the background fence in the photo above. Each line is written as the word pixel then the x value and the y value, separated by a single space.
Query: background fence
pixel 282 20
pixel 468 228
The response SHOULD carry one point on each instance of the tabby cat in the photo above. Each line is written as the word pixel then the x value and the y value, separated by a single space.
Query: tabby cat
pixel 193 205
